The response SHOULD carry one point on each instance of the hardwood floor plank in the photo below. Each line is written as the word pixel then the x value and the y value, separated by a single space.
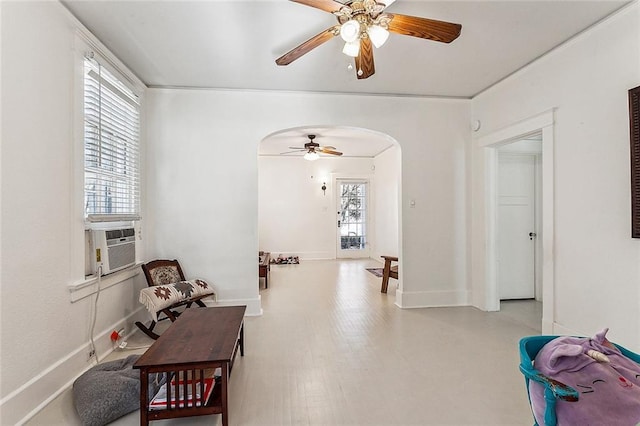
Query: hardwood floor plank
pixel 330 349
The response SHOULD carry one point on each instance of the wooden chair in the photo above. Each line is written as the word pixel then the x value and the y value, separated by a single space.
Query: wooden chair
pixel 389 271
pixel 167 283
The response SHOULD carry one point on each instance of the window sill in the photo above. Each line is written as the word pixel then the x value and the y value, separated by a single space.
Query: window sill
pixel 88 286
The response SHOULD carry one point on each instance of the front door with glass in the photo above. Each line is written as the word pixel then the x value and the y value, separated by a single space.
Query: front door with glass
pixel 352 218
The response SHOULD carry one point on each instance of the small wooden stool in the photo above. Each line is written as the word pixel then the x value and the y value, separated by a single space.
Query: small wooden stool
pixel 389 271
pixel 264 266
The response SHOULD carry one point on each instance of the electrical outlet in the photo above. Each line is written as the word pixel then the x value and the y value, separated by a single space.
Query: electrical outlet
pixel 117 335
pixel 92 353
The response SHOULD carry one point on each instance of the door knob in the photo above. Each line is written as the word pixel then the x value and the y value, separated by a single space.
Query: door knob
pixel 532 235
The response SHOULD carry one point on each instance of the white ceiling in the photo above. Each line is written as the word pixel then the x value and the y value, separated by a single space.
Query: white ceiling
pixel 234 44
pixel 352 142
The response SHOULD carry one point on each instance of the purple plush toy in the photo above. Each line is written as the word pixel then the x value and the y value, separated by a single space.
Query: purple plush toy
pixel 607 381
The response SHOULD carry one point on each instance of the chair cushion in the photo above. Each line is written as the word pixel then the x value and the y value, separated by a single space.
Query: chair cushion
pixel 110 390
pixel 159 297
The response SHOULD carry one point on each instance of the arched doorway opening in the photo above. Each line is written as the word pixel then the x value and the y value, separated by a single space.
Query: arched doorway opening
pixel 299 209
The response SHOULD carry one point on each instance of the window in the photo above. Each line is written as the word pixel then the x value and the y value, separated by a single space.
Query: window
pixel 111 140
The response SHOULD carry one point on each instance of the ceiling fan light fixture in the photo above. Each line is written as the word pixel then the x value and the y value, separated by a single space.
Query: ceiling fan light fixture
pixel 378 35
pixel 351 49
pixel 311 155
pixel 350 31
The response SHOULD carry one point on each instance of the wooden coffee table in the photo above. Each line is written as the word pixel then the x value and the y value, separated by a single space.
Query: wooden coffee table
pixel 200 340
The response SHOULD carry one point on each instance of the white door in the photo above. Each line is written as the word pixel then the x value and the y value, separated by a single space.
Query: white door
pixel 516 226
pixel 352 218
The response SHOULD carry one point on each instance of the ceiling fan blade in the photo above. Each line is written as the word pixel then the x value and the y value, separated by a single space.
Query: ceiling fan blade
pixel 308 45
pixel 291 152
pixel 299 148
pixel 430 29
pixel 327 147
pixel 326 5
pixel 364 60
pixel 329 151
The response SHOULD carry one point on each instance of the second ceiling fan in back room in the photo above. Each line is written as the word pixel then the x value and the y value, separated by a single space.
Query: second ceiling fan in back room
pixel 364 24
pixel 312 149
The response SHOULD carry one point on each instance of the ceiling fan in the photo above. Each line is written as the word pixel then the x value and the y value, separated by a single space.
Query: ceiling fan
pixel 313 149
pixel 363 24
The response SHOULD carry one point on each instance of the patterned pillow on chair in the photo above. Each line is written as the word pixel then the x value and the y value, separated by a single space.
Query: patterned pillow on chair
pixel 164 275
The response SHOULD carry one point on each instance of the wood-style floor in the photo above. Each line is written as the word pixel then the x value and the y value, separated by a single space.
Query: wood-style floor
pixel 330 349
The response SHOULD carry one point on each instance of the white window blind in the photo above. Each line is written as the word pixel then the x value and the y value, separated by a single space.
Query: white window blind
pixel 111 146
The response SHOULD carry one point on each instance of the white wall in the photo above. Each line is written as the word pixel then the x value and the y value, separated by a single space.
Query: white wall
pixel 597 263
pixel 294 216
pixel 45 336
pixel 386 192
pixel 202 185
pixel 202 157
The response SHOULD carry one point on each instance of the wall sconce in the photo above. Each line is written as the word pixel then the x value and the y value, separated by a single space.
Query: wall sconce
pixel 324 188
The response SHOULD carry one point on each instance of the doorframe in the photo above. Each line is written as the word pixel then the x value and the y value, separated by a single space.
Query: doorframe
pixel 542 123
pixel 368 179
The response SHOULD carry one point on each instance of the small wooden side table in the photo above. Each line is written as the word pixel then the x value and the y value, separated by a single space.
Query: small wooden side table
pixel 264 267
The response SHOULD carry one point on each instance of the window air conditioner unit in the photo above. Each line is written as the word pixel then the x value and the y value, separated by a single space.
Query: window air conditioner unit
pixel 113 249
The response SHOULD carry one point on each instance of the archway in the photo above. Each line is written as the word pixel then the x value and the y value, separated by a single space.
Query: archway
pixel 291 200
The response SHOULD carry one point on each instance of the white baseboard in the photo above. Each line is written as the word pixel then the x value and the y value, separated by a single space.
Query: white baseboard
pixel 306 255
pixel 26 401
pixel 431 299
pixel 547 327
pixel 560 330
pixel 254 306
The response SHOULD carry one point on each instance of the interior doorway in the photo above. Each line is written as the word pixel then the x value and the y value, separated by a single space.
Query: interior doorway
pixel 297 198
pixel 542 124
pixel 518 203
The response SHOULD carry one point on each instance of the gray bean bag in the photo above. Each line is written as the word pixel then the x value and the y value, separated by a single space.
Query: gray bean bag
pixel 108 391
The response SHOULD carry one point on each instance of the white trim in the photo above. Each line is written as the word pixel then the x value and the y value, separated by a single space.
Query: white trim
pixel 561 330
pixel 544 123
pixel 548 228
pixel 254 306
pixel 314 92
pixel 304 255
pixel 431 299
pixel 110 61
pixel 492 300
pixel 519 130
pixel 45 385
pixel 113 218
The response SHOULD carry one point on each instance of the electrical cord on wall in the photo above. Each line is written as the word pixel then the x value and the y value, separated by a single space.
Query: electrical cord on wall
pixel 124 347
pixel 95 315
